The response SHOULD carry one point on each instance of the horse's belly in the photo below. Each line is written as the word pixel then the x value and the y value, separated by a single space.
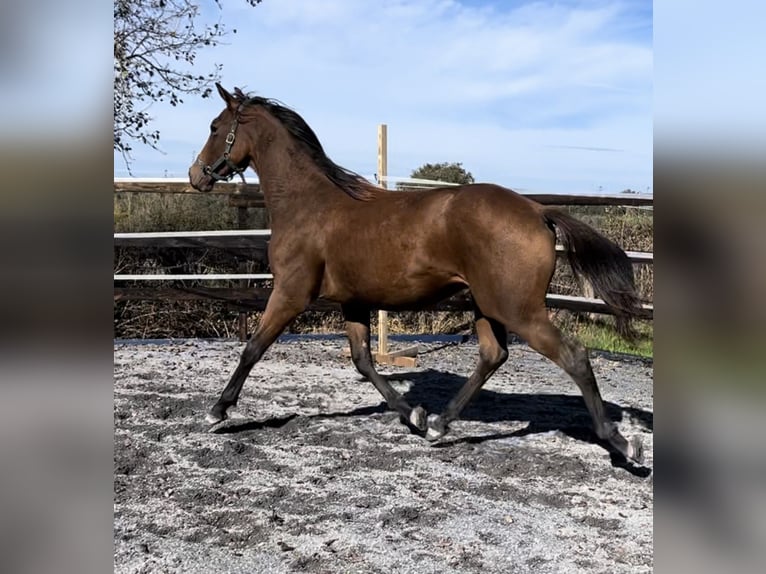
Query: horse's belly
pixel 390 290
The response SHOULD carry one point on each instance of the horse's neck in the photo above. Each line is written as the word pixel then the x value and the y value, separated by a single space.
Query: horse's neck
pixel 291 186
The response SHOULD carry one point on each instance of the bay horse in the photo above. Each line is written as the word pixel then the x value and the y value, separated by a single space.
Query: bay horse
pixel 326 222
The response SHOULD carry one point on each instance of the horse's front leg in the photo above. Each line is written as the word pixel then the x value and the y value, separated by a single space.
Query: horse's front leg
pixel 281 309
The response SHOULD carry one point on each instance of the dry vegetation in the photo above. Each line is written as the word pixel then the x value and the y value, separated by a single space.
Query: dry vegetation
pixel 629 227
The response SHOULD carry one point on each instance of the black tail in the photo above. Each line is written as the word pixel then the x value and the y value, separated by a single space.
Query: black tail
pixel 603 264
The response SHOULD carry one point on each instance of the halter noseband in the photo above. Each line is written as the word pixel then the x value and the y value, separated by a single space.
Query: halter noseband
pixel 212 170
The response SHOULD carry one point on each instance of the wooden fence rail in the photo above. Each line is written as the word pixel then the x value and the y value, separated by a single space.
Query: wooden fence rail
pixel 249 194
pixel 254 299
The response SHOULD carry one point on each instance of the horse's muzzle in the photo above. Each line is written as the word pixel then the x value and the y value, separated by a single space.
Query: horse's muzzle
pixel 199 180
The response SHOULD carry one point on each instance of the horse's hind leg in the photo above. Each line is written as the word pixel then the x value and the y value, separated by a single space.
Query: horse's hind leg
pixel 358 330
pixel 280 311
pixel 571 356
pixel 493 352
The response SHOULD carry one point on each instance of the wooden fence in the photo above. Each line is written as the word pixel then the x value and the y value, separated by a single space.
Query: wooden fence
pixel 250 298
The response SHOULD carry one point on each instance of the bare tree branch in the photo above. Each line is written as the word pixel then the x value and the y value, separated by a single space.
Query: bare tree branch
pixel 156 43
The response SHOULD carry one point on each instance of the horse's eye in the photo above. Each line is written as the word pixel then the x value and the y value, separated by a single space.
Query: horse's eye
pixel 212 129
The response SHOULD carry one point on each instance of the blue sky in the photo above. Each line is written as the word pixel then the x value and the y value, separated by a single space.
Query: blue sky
pixel 540 96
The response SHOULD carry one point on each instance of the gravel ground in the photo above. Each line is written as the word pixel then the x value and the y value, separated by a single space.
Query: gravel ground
pixel 318 476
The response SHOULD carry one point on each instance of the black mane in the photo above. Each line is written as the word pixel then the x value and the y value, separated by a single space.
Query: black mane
pixel 350 182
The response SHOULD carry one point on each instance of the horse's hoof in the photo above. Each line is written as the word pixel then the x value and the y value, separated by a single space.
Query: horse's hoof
pixel 215 416
pixel 418 418
pixel 636 450
pixel 212 419
pixel 436 428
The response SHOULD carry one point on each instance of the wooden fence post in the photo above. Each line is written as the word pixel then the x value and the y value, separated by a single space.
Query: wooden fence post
pixel 382 173
pixel 403 357
pixel 242 224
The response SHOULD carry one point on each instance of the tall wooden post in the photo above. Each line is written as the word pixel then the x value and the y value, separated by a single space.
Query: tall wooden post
pixel 382 173
pixel 242 224
pixel 402 357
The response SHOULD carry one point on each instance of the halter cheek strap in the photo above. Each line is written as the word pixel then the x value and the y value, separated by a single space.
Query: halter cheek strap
pixel 234 169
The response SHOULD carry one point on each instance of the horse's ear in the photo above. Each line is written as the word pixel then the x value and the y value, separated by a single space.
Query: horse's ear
pixel 226 96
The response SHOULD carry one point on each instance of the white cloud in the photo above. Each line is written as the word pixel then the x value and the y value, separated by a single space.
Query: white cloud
pixel 490 86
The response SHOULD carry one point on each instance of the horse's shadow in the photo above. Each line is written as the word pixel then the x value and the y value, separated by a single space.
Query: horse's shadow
pixel 433 389
pixel 543 412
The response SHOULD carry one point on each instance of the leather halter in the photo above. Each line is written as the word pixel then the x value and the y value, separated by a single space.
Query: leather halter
pixel 212 170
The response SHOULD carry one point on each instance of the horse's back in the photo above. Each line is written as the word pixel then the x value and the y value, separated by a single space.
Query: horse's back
pixel 488 200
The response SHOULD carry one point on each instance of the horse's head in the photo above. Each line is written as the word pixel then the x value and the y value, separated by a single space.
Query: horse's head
pixel 225 153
